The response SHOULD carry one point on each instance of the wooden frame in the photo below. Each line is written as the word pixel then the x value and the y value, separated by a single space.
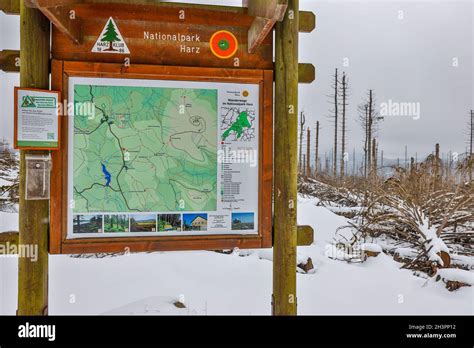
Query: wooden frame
pixel 59 244
pixel 15 120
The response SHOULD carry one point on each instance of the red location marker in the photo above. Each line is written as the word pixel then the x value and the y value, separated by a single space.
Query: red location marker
pixel 224 44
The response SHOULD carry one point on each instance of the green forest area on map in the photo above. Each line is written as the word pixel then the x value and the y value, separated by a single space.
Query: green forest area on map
pixel 147 149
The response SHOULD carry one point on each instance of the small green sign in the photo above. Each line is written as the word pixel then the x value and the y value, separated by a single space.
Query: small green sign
pixel 38 102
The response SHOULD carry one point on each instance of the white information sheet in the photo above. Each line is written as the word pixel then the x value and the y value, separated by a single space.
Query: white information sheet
pixel 37 119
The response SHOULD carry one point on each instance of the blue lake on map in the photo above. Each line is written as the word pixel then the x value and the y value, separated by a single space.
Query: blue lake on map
pixel 107 174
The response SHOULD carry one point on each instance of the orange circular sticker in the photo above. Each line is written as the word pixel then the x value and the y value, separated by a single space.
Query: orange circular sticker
pixel 224 44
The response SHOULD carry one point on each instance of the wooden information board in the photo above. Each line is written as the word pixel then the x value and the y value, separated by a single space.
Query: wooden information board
pixel 169 143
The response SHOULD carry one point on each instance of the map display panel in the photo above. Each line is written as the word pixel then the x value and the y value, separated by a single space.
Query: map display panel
pixel 151 157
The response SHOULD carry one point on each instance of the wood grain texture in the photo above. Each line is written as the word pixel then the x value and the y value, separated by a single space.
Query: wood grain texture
pixel 260 28
pixel 286 163
pixel 307 22
pixel 10 60
pixel 62 20
pixel 144 28
pixel 59 200
pixel 9 237
pixel 306 73
pixel 269 9
pixel 10 6
pixel 33 215
pixel 305 235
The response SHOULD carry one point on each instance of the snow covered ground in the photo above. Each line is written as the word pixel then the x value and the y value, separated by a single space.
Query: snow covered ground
pixel 239 283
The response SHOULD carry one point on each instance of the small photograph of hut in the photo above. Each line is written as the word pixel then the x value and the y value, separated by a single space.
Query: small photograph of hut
pixel 195 222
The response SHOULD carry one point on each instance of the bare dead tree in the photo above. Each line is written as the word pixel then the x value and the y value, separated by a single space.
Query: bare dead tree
pixel 308 152
pixel 316 155
pixel 302 123
pixel 374 158
pixel 437 166
pixel 304 165
pixel 369 120
pixel 353 162
pixel 344 93
pixel 336 114
pixel 471 134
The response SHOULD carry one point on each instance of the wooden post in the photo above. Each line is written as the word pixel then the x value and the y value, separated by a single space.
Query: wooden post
pixel 34 222
pixel 286 162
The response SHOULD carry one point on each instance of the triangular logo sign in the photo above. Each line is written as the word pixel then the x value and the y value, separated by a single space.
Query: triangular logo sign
pixel 110 40
pixel 28 102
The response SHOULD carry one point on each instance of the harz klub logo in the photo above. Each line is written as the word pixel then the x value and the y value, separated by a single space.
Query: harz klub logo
pixel 110 40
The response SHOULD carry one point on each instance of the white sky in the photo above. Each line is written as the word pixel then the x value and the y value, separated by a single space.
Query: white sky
pixel 408 60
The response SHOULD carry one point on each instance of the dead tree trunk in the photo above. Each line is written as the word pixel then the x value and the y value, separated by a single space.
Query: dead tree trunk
pixel 471 128
pixel 304 165
pixel 316 155
pixel 369 128
pixel 334 164
pixel 308 151
pixel 366 143
pixel 374 159
pixel 353 162
pixel 437 174
pixel 344 87
pixel 302 122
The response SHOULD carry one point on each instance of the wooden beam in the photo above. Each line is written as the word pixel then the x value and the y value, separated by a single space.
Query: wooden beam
pixel 258 31
pixel 286 163
pixel 267 13
pixel 10 6
pixel 305 235
pixel 269 9
pixel 307 22
pixel 33 215
pixel 10 60
pixel 51 3
pixel 306 73
pixel 60 16
pixel 61 19
pixel 9 237
pixel 307 19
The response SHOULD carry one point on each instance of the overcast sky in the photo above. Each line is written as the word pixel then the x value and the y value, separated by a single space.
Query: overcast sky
pixel 406 51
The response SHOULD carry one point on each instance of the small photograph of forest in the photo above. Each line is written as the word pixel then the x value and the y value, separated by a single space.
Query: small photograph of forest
pixel 116 223
pixel 169 222
pixel 87 223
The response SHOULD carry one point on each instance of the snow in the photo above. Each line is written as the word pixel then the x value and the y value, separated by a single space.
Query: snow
pixel 435 244
pixel 372 247
pixel 157 305
pixel 238 283
pixel 463 260
pixel 8 221
pixel 406 252
pixel 456 275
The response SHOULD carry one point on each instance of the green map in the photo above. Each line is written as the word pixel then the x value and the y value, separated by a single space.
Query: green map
pixel 147 149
